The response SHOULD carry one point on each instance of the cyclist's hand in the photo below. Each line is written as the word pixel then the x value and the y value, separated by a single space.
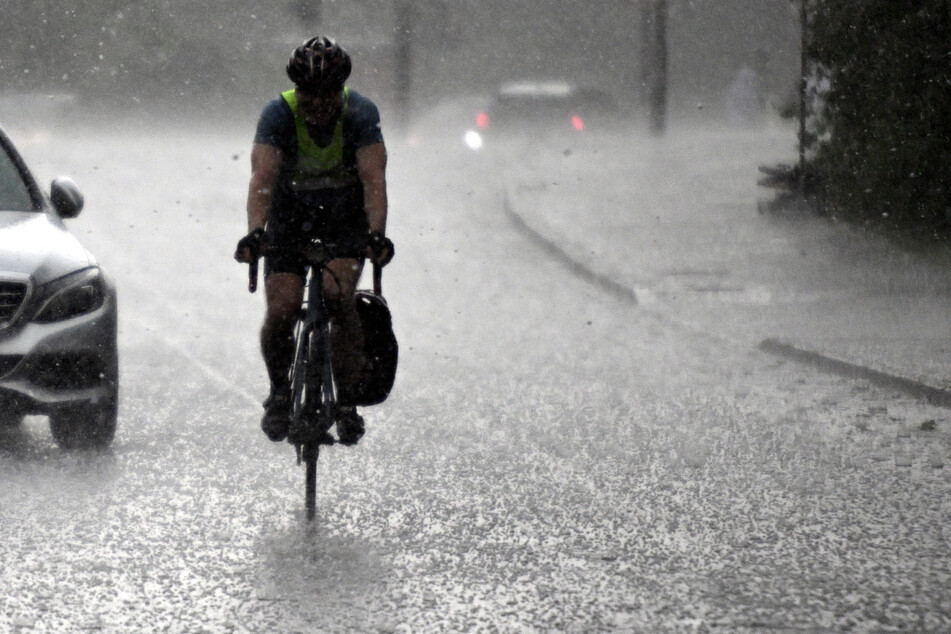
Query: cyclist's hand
pixel 250 247
pixel 381 248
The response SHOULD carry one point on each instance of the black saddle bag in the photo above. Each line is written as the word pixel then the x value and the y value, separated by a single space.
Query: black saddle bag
pixel 381 349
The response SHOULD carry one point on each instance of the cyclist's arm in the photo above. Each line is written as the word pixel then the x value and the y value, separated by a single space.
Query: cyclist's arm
pixel 265 170
pixel 371 167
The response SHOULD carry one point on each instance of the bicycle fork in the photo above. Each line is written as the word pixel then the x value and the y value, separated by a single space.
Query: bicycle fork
pixel 299 395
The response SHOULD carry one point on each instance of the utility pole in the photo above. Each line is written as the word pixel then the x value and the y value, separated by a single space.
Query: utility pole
pixel 803 87
pixel 403 59
pixel 44 61
pixel 654 63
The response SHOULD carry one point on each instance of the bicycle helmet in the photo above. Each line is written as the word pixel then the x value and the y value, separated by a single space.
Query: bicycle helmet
pixel 319 66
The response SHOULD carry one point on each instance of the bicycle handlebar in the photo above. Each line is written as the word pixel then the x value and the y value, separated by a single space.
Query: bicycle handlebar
pixel 318 253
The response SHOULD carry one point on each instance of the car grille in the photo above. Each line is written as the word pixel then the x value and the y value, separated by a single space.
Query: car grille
pixel 12 295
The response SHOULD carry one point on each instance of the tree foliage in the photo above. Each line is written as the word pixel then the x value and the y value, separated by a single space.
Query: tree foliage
pixel 887 115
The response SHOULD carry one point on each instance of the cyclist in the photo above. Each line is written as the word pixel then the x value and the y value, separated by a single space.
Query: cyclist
pixel 318 169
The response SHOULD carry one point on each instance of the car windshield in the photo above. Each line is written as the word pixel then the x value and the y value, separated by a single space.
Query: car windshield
pixel 14 192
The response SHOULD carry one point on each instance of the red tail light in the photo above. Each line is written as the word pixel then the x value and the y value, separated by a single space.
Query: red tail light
pixel 482 120
pixel 577 123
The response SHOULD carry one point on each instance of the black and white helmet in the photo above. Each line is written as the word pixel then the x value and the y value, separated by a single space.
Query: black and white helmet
pixel 319 66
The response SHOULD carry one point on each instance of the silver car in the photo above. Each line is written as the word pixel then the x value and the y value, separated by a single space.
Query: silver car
pixel 58 353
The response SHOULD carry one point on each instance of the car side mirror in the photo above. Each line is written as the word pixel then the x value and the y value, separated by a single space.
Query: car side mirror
pixel 66 197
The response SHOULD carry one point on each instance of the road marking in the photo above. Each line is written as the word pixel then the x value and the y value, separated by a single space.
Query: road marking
pixel 179 347
pixel 144 324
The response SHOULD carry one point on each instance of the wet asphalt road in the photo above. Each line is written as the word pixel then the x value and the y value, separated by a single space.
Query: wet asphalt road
pixel 551 458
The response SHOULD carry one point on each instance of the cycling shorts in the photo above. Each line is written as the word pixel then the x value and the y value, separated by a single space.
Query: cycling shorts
pixel 334 216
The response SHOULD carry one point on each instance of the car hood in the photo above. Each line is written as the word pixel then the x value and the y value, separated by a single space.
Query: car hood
pixel 38 245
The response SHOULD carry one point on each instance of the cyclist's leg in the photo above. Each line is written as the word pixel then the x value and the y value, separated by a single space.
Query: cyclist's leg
pixel 284 293
pixel 284 271
pixel 340 282
pixel 277 347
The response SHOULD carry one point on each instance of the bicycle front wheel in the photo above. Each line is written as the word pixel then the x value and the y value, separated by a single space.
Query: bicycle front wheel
pixel 318 414
pixel 310 449
pixel 310 452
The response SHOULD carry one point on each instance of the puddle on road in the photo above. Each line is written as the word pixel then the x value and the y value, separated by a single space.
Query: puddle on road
pixel 307 578
pixel 304 562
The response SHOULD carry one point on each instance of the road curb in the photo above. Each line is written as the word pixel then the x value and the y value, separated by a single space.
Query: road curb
pixel 577 268
pixel 934 395
pixel 918 389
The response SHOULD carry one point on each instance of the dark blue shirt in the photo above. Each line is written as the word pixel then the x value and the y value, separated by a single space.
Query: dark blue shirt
pixel 361 126
pixel 291 211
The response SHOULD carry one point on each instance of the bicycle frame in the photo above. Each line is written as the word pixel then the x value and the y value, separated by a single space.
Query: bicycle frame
pixel 313 395
pixel 312 358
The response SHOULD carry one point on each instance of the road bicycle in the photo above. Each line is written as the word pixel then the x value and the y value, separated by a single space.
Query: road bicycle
pixel 313 393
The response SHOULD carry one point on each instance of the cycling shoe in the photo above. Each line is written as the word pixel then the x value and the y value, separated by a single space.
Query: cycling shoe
pixel 277 416
pixel 350 426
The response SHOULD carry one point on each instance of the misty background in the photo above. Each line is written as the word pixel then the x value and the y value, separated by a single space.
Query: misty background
pixel 229 54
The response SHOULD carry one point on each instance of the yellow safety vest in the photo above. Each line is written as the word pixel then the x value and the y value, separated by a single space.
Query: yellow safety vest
pixel 318 167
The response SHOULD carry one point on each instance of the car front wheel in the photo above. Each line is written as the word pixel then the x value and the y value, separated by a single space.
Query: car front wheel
pixel 85 426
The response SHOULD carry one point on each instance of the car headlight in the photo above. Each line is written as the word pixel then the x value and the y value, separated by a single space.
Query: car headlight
pixel 70 296
pixel 473 140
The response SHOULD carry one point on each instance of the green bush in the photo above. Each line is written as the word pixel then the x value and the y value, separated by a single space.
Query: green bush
pixel 886 153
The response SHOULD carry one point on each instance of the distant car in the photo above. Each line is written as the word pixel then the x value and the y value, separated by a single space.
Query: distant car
pixel 58 352
pixel 539 109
